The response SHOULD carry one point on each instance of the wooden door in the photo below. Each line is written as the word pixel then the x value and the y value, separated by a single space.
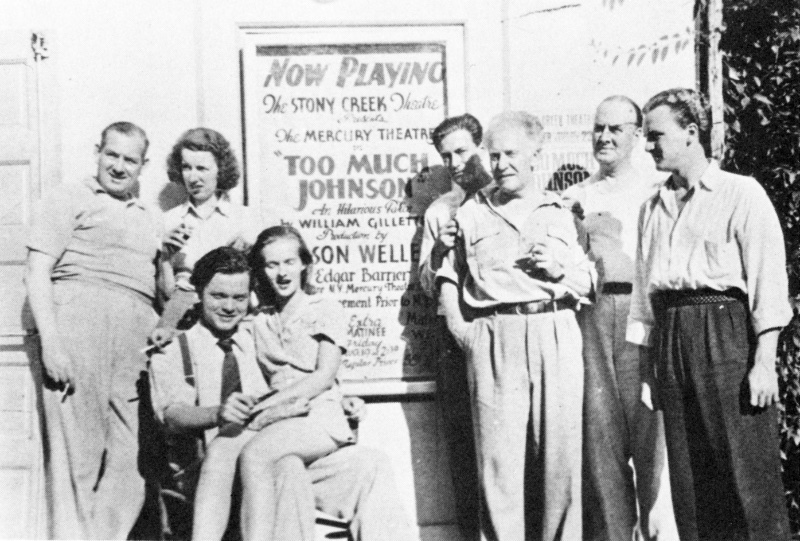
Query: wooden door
pixel 22 165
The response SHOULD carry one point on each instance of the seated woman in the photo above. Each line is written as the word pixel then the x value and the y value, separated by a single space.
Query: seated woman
pixel 299 341
pixel 203 162
pixel 208 379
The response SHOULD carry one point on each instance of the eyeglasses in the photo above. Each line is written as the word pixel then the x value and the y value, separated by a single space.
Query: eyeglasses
pixel 615 129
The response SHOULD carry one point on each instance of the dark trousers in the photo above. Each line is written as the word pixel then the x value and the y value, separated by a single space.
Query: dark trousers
pixel 723 454
pixel 618 427
pixel 452 391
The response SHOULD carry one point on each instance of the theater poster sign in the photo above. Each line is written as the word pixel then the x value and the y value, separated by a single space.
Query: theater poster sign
pixel 337 139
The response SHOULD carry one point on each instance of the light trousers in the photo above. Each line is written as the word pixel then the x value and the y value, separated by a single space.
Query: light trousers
pixel 526 385
pixel 94 489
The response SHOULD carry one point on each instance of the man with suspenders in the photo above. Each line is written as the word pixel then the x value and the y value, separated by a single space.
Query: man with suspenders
pixel 216 355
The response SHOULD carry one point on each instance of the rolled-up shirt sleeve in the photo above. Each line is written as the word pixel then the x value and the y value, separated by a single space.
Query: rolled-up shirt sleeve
pixel 758 233
pixel 640 317
pixel 454 264
pixel 331 323
pixel 168 385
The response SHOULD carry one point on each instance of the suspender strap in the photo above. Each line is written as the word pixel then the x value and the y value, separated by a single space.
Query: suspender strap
pixel 188 371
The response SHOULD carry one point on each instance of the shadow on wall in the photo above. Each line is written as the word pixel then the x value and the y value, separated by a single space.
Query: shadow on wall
pixel 417 313
pixel 171 195
pixel 438 504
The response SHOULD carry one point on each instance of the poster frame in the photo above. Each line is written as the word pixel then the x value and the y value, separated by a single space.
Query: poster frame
pixel 451 35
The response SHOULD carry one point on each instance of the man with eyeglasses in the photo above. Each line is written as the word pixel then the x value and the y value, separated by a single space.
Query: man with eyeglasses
pixel 618 427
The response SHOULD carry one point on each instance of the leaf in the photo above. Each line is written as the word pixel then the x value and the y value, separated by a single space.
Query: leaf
pixel 762 98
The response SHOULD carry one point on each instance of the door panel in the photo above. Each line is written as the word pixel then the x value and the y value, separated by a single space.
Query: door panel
pixel 21 464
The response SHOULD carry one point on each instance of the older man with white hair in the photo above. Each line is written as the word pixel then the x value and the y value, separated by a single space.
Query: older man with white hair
pixel 509 291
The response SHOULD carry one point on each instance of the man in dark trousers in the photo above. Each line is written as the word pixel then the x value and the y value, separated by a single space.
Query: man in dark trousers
pixel 457 140
pixel 710 297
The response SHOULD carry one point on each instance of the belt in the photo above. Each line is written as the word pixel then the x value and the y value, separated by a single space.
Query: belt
pixel 692 297
pixel 617 288
pixel 529 308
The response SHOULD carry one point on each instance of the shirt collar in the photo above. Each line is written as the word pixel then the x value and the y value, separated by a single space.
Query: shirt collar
pixel 239 337
pixel 94 185
pixel 709 180
pixel 223 206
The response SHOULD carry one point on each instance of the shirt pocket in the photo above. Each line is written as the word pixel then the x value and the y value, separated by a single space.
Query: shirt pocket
pixel 486 249
pixel 721 259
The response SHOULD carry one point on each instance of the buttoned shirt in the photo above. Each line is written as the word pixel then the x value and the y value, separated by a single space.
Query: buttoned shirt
pixel 288 349
pixel 225 224
pixel 168 379
pixel 611 215
pixel 437 215
pixel 493 254
pixel 726 236
pixel 97 238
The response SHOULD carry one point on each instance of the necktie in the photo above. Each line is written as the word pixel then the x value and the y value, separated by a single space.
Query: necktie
pixel 231 381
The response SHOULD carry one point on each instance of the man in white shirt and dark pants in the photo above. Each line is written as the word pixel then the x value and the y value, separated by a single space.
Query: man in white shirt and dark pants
pixel 710 297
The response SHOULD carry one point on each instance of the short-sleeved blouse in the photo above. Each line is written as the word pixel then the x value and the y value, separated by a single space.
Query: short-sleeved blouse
pixel 288 351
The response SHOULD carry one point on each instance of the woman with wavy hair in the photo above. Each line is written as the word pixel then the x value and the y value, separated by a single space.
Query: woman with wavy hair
pixel 300 338
pixel 203 162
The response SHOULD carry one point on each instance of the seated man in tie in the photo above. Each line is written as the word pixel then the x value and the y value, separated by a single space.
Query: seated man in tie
pixel 208 379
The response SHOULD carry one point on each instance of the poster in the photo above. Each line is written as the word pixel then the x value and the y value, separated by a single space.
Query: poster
pixel 338 145
pixel 567 157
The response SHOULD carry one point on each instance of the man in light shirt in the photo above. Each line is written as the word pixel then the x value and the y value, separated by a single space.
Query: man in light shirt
pixel 457 140
pixel 710 297
pixel 354 483
pixel 91 281
pixel 617 426
pixel 509 290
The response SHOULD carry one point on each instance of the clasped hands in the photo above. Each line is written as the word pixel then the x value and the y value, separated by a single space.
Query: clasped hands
pixel 255 413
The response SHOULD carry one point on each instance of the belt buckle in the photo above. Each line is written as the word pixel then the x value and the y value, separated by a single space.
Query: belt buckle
pixel 518 307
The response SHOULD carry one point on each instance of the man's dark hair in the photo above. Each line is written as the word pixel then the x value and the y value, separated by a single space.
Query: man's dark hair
pixel 688 107
pixel 205 140
pixel 125 128
pixel 223 260
pixel 455 123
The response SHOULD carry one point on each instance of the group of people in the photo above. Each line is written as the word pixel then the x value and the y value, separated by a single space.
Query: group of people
pixel 600 336
pixel 630 321
pixel 258 386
